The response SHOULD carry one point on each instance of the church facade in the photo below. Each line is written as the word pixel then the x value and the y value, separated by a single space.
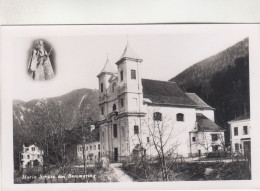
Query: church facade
pixel 133 109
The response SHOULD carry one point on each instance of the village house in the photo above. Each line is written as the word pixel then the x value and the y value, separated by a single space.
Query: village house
pixel 207 136
pixel 240 134
pixel 131 105
pixel 31 156
pixel 91 146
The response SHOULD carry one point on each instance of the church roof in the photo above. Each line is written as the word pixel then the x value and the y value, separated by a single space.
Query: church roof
pixel 108 68
pixel 241 117
pixel 200 103
pixel 129 54
pixel 205 124
pixel 165 92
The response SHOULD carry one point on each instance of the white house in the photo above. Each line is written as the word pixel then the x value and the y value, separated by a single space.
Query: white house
pixel 91 148
pixel 206 137
pixel 240 134
pixel 131 106
pixel 31 156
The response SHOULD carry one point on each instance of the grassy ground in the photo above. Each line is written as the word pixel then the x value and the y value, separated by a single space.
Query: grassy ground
pixel 192 171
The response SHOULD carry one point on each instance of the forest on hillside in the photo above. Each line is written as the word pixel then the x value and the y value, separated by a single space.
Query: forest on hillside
pixel 222 81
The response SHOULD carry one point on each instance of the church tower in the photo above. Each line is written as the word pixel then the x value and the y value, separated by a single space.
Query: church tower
pixel 106 73
pixel 129 79
pixel 121 105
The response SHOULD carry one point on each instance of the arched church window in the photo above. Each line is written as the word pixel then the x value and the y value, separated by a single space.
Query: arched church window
pixel 180 117
pixel 114 107
pixel 157 116
pixel 101 87
pixel 113 87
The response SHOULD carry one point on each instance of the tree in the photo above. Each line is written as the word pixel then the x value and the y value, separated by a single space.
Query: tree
pixel 163 136
pixel 84 121
pixel 47 129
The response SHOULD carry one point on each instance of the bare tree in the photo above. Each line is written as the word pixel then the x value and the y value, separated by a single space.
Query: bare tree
pixel 163 138
pixel 139 153
pixel 47 129
pixel 84 121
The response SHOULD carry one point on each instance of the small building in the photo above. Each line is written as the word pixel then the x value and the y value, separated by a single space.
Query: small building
pixel 91 149
pixel 31 156
pixel 206 137
pixel 240 134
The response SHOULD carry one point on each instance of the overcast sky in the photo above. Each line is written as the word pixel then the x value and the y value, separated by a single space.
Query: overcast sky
pixel 81 52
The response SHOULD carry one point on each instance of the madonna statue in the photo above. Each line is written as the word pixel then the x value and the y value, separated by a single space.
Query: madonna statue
pixel 39 66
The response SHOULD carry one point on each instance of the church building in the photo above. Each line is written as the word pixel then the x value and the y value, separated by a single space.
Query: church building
pixel 132 109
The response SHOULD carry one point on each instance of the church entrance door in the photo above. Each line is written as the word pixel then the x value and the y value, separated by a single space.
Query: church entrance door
pixel 116 154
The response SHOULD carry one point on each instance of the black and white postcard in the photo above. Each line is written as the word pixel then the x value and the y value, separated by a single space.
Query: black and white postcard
pixel 130 105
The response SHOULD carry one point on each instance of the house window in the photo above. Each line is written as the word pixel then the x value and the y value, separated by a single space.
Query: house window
pixel 236 147
pixel 28 156
pixel 122 102
pixel 98 146
pixel 136 129
pixel 180 117
pixel 113 87
pixel 102 110
pixel 236 131
pixel 90 147
pixel 114 107
pixel 33 148
pixel 22 156
pixel 95 147
pixel 245 130
pixel 121 75
pixel 38 156
pixel 133 74
pixel 214 137
pixel 148 139
pixel 101 87
pixel 157 116
pixel 115 130
pixel 193 139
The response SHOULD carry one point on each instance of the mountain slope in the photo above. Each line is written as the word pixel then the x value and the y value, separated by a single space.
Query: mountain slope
pixel 221 80
pixel 69 105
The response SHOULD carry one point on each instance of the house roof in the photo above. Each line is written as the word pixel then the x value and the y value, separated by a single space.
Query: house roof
pixel 108 68
pixel 165 92
pixel 129 53
pixel 205 124
pixel 241 117
pixel 200 103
